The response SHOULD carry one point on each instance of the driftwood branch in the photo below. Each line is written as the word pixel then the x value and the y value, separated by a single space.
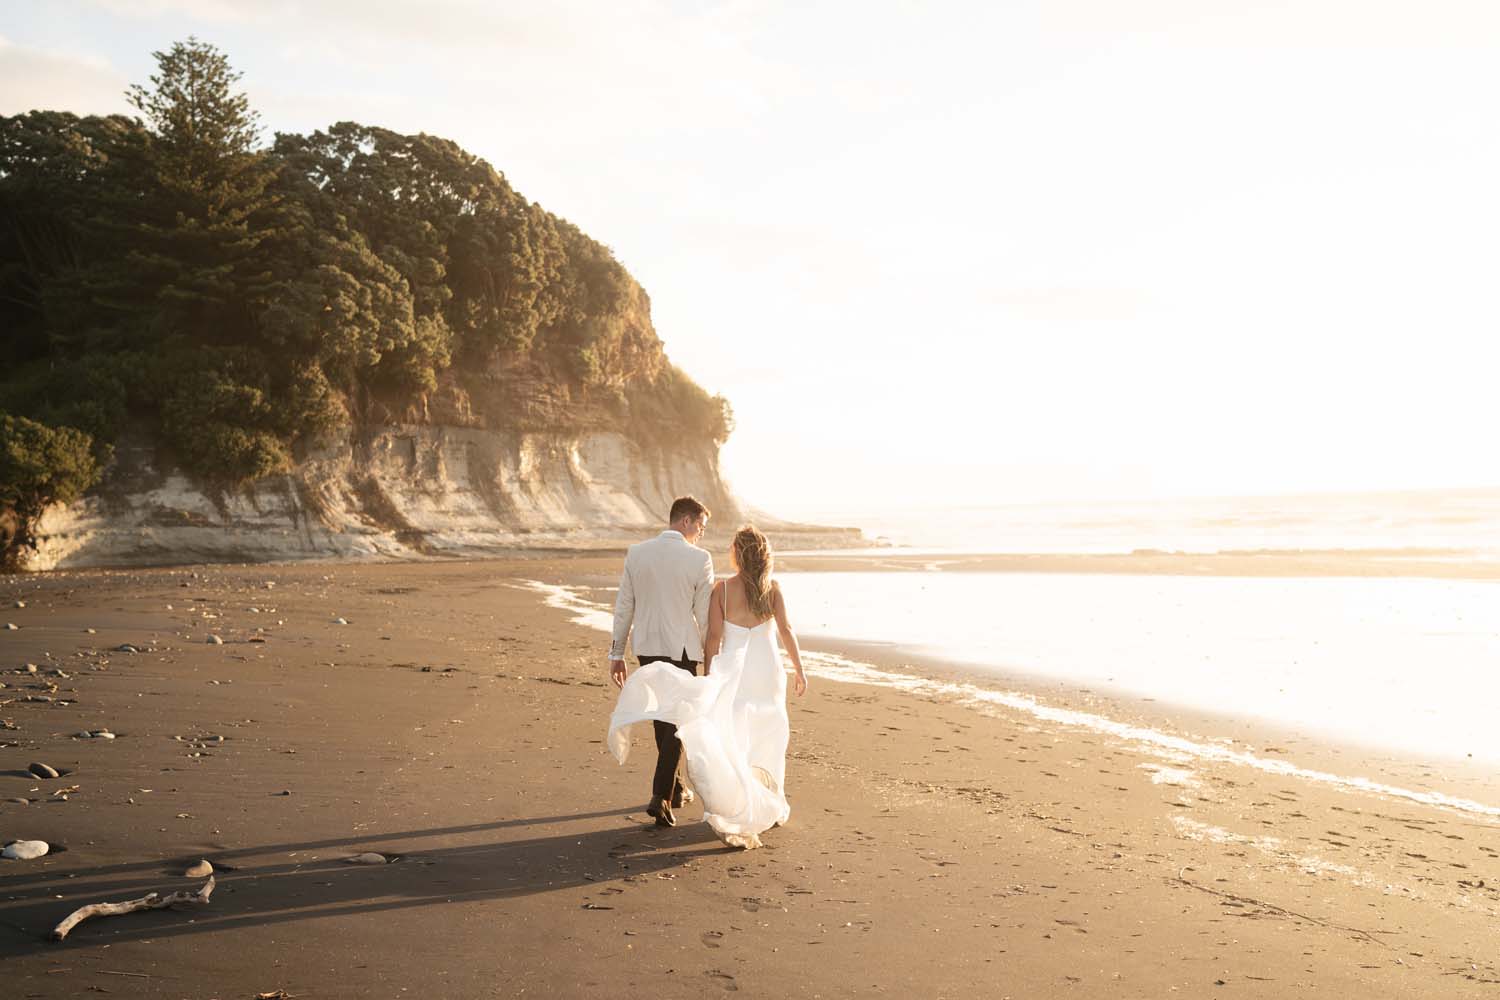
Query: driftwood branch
pixel 150 901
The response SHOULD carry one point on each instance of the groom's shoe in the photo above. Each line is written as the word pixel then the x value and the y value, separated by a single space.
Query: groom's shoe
pixel 662 811
pixel 682 798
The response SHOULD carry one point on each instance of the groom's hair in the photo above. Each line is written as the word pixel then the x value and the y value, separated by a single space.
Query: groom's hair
pixel 686 507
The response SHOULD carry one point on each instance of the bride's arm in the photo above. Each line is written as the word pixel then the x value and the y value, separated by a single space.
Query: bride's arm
pixel 715 635
pixel 789 641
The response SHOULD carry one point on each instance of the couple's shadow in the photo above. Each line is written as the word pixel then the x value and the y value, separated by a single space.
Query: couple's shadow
pixel 253 890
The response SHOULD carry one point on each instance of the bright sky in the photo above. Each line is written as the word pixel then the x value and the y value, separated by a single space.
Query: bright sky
pixel 988 252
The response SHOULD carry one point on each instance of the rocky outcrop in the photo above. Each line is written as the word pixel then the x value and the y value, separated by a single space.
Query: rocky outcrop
pixel 389 492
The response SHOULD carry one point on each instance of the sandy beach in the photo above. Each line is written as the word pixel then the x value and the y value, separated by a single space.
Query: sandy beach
pixel 455 721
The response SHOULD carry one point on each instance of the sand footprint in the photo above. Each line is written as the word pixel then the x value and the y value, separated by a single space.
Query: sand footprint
pixel 723 979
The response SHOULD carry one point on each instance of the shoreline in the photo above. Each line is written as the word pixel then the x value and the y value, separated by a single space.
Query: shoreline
pixel 1443 564
pixel 825 549
pixel 1471 785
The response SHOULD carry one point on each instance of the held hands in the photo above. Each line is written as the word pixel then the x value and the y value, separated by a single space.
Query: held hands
pixel 617 672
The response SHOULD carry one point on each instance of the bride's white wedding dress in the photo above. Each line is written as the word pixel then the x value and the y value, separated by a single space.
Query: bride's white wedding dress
pixel 733 726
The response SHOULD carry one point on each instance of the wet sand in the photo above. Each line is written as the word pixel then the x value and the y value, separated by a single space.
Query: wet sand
pixel 935 850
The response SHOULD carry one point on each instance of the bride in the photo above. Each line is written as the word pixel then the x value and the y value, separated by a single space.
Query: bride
pixel 732 721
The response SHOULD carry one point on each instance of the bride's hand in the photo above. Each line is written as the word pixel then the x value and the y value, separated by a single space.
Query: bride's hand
pixel 799 683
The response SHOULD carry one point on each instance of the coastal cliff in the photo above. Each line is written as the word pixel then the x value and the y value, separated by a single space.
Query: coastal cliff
pixel 351 343
pixel 400 491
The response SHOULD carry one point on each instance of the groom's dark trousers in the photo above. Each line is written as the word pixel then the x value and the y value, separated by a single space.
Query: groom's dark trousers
pixel 666 784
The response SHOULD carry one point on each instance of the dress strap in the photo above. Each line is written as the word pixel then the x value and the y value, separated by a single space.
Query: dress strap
pixel 724 600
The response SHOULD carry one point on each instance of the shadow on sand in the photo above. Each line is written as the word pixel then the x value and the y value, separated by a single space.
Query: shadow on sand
pixel 253 892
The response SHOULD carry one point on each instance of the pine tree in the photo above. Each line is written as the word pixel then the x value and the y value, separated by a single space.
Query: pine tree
pixel 206 228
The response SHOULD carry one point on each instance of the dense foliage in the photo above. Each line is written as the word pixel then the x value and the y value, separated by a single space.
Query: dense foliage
pixel 246 301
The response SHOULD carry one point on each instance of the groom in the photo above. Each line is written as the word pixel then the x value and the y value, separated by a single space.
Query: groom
pixel 664 593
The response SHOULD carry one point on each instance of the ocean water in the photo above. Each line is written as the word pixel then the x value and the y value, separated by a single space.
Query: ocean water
pixel 1461 523
pixel 1408 664
pixel 1405 665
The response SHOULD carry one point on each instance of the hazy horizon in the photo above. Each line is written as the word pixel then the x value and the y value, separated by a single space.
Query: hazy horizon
pixel 1014 252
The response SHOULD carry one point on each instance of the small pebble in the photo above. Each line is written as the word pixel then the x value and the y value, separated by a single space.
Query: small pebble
pixel 340 621
pixel 201 870
pixel 92 631
pixel 31 668
pixel 368 858
pixel 25 850
pixel 11 626
pixel 40 770
pixel 20 604
pixel 214 640
pixel 103 734
pixel 126 647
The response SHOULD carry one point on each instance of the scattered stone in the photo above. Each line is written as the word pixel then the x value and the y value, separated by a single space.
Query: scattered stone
pixel 84 735
pixel 92 631
pixel 201 870
pixel 103 734
pixel 340 621
pixel 371 858
pixel 25 850
pixel 283 792
pixel 126 647
pixel 20 802
pixel 214 640
pixel 20 604
pixel 11 626
pixel 30 668
pixel 40 770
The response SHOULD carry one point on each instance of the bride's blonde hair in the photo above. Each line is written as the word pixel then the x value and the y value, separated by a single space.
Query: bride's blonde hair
pixel 752 554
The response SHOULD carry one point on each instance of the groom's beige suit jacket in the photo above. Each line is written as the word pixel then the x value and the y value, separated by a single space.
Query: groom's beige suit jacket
pixel 664 594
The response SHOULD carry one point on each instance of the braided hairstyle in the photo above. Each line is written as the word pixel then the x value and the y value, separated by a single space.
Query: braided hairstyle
pixel 752 554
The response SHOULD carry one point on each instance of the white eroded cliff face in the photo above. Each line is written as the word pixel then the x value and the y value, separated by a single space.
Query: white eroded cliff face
pixel 401 491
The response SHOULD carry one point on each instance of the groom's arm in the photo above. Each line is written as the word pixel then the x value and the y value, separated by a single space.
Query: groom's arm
pixel 702 593
pixel 624 616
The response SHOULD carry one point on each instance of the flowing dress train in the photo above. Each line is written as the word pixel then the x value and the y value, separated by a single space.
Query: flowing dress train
pixel 733 726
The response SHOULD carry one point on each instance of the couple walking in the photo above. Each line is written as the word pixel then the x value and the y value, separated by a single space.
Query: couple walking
pixel 729 725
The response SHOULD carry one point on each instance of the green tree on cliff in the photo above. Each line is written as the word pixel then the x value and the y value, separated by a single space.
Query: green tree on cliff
pixel 242 301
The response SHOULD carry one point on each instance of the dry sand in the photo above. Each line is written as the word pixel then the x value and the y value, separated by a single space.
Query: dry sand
pixel 934 850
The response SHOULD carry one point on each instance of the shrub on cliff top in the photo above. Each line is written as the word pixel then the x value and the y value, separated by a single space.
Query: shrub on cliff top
pixel 39 466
